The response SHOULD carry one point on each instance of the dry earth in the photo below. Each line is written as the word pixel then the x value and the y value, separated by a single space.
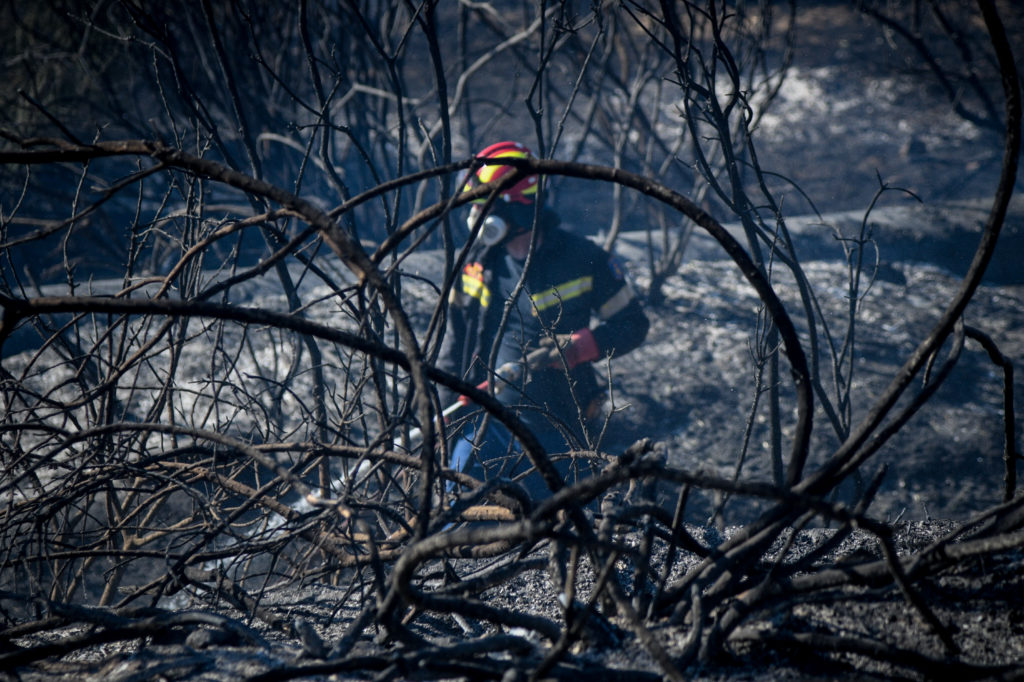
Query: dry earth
pixel 692 382
pixel 689 389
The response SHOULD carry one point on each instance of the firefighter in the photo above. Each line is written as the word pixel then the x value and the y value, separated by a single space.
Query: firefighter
pixel 571 305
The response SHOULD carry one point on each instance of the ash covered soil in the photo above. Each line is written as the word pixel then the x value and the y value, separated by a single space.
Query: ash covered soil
pixel 689 389
pixel 854 113
pixel 692 385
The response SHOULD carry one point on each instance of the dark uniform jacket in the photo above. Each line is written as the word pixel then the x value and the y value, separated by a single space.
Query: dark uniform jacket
pixel 569 282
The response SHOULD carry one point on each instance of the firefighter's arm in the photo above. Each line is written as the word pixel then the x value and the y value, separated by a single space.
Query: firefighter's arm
pixel 624 328
pixel 622 323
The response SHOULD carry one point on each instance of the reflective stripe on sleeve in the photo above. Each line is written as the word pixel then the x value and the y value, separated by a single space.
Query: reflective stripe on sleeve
pixel 616 303
pixel 561 292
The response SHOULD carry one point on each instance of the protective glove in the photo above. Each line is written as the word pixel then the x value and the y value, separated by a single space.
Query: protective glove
pixel 576 348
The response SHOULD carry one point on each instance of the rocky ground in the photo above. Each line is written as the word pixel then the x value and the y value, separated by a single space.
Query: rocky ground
pixel 689 390
pixel 693 380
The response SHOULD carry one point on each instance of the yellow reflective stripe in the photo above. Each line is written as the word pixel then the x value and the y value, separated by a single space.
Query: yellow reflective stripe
pixel 488 173
pixel 616 303
pixel 473 285
pixel 561 292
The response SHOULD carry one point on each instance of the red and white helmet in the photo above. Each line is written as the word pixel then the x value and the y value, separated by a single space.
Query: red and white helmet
pixel 524 191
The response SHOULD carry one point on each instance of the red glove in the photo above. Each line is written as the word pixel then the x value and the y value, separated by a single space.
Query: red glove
pixel 582 348
pixel 576 348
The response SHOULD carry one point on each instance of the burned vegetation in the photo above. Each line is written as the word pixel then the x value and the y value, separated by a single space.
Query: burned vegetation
pixel 229 236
